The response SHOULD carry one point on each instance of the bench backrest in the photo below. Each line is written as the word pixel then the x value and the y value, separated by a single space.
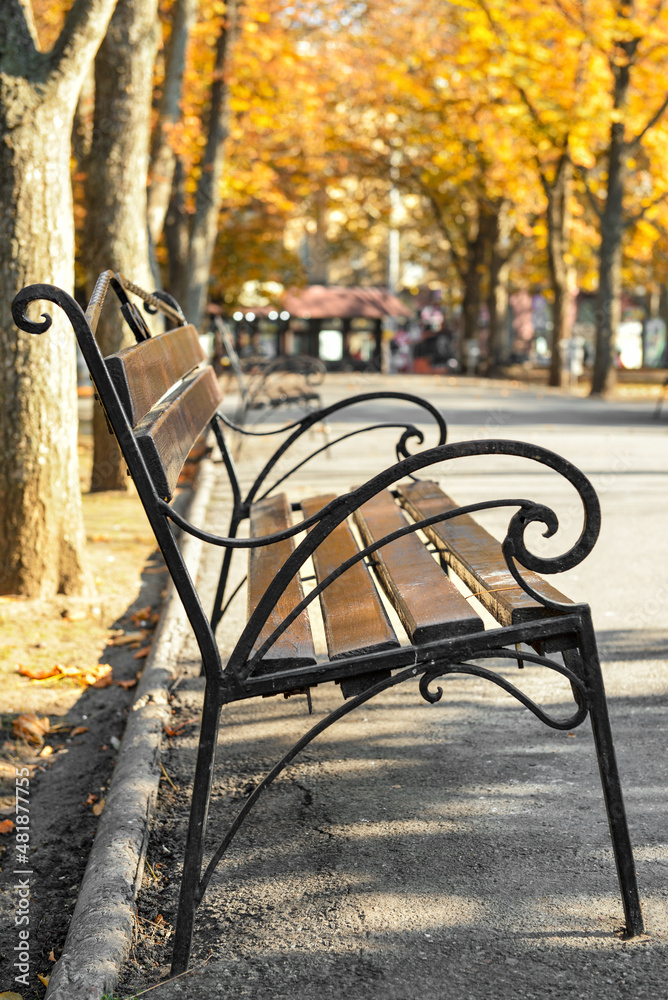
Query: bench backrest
pixel 169 395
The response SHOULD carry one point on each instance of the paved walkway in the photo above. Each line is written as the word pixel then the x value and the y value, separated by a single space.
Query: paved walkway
pixel 460 849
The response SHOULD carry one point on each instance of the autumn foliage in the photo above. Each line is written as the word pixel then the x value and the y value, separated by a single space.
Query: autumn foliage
pixel 527 140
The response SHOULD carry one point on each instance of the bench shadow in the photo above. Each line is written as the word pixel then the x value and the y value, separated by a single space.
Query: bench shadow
pixel 415 846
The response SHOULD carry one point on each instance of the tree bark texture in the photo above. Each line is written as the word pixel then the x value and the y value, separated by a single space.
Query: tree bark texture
pixel 475 265
pixel 42 538
pixel 558 194
pixel 495 285
pixel 204 227
pixel 177 235
pixel 608 305
pixel 116 234
pixel 163 158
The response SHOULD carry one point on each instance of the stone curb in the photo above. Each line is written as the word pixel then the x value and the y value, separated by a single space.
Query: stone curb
pixel 100 934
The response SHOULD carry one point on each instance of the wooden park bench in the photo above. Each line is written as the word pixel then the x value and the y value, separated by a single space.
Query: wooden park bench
pixel 160 394
pixel 267 384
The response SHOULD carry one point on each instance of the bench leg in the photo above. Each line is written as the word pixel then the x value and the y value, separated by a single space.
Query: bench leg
pixel 192 865
pixel 612 789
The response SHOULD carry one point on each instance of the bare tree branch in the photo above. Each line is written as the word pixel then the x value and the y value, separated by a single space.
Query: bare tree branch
pixel 457 258
pixel 634 143
pixel 591 197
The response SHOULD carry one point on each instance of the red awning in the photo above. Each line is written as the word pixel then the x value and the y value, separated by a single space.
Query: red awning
pixel 323 302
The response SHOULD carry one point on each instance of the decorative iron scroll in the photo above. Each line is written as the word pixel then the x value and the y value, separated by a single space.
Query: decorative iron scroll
pixel 431 674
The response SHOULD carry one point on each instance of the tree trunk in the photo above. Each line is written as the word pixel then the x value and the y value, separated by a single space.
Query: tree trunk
pixel 558 236
pixel 42 537
pixel 608 310
pixel 42 540
pixel 491 227
pixel 116 234
pixel 497 301
pixel 475 261
pixel 177 235
pixel 208 198
pixel 163 158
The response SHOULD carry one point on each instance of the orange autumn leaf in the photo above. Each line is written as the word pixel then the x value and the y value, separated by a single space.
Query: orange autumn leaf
pixel 30 727
pixel 68 670
pixel 178 730
pixel 126 685
pixel 142 653
pixel 38 673
pixel 98 807
pixel 78 730
pixel 6 826
pixel 99 676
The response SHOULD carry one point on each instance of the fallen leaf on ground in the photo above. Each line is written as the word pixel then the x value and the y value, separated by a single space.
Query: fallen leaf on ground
pixel 92 797
pixel 30 727
pixel 78 730
pixel 52 956
pixel 98 807
pixel 178 730
pixel 6 826
pixel 8 995
pixel 127 637
pixel 44 980
pixel 126 685
pixel 46 751
pixel 141 616
pixel 141 653
pixel 99 676
pixel 67 670
pixel 38 673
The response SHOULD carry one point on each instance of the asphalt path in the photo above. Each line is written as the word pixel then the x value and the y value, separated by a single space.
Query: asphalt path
pixel 461 849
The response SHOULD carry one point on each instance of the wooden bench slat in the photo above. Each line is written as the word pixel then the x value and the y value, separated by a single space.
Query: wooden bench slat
pixel 477 557
pixel 166 434
pixel 294 648
pixel 429 605
pixel 355 620
pixel 144 372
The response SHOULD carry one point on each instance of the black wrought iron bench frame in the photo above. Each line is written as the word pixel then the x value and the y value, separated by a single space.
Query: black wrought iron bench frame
pixel 268 384
pixel 154 461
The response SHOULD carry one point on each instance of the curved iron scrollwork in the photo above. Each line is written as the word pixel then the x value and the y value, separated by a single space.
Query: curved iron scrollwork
pixel 44 293
pixel 432 674
pixel 514 546
pixel 301 426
